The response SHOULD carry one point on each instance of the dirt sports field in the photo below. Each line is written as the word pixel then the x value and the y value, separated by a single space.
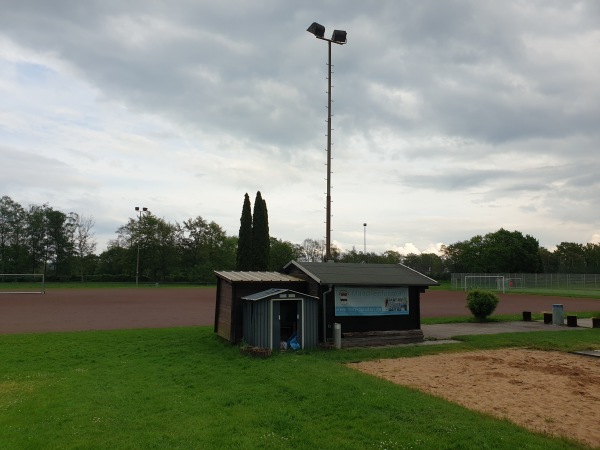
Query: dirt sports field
pixel 149 307
pixel 551 392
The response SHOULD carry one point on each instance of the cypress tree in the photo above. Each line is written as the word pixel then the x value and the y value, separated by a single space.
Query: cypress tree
pixel 244 258
pixel 261 242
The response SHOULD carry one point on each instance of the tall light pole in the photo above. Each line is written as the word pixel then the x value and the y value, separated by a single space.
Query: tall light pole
pixel 338 37
pixel 365 240
pixel 137 267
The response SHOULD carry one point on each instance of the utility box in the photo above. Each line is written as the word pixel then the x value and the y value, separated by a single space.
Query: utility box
pixel 558 314
pixel 337 335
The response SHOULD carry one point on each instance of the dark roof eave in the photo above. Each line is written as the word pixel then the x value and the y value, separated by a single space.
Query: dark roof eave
pixel 415 278
pixel 299 266
pixel 362 283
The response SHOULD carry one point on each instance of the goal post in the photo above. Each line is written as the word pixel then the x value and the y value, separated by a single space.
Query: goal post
pixel 22 283
pixel 485 282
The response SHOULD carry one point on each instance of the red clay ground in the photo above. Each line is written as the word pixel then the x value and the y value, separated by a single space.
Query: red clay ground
pixel 106 309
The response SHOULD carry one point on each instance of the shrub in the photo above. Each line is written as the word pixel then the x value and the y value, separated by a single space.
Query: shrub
pixel 482 303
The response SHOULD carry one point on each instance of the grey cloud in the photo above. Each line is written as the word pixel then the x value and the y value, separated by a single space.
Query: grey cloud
pixel 433 87
pixel 448 54
pixel 454 180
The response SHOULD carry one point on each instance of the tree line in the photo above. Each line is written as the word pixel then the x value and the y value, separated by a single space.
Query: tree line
pixel 511 251
pixel 41 239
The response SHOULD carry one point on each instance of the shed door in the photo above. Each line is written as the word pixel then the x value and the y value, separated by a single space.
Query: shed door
pixel 287 321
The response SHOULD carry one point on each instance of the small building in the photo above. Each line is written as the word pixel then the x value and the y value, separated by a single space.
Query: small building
pixel 375 304
pixel 273 317
pixel 232 286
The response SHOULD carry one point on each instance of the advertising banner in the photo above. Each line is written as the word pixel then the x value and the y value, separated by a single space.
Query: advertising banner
pixel 370 301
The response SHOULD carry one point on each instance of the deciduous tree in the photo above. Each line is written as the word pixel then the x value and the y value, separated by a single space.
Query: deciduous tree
pixel 84 243
pixel 313 250
pixel 282 252
pixel 501 251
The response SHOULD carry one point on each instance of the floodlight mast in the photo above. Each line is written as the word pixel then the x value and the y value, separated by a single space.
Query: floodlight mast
pixel 137 266
pixel 338 37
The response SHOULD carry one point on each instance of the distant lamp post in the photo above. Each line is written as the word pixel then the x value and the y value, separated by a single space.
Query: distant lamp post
pixel 365 239
pixel 137 267
pixel 338 37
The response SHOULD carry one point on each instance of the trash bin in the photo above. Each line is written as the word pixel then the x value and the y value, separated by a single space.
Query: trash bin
pixel 337 335
pixel 558 314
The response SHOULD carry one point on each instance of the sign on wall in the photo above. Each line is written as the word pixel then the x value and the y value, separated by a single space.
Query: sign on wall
pixel 370 301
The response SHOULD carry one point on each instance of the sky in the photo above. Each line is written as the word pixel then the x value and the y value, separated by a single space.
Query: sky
pixel 450 118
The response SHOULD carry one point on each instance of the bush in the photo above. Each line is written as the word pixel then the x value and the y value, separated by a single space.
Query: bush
pixel 482 303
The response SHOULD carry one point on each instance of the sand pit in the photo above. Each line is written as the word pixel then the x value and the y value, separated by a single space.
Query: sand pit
pixel 550 392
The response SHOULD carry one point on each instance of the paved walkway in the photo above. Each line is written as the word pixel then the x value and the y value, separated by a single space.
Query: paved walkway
pixel 448 331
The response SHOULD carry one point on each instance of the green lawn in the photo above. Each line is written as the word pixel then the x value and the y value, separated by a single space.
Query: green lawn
pixel 186 388
pixel 582 293
pixel 502 317
pixel 556 292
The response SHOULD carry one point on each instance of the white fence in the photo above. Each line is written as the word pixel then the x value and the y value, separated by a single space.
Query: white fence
pixel 568 281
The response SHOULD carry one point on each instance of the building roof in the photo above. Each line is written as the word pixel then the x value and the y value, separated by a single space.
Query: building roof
pixel 282 293
pixel 362 274
pixel 255 277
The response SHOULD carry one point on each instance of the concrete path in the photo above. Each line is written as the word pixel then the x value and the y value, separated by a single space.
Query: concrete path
pixel 448 331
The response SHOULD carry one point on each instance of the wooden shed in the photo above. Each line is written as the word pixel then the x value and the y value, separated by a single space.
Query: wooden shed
pixel 232 286
pixel 271 318
pixel 374 303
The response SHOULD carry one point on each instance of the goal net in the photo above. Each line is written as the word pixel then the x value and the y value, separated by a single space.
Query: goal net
pixel 22 283
pixel 485 282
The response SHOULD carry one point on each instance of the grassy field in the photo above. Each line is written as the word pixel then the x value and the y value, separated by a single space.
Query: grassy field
pixel 501 318
pixel 583 293
pixel 186 388
pixel 574 292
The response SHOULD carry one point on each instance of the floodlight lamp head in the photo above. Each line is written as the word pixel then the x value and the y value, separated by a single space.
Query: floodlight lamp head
pixel 339 36
pixel 137 208
pixel 145 209
pixel 317 29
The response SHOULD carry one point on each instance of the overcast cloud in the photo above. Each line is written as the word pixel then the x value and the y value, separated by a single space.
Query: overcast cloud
pixel 451 118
